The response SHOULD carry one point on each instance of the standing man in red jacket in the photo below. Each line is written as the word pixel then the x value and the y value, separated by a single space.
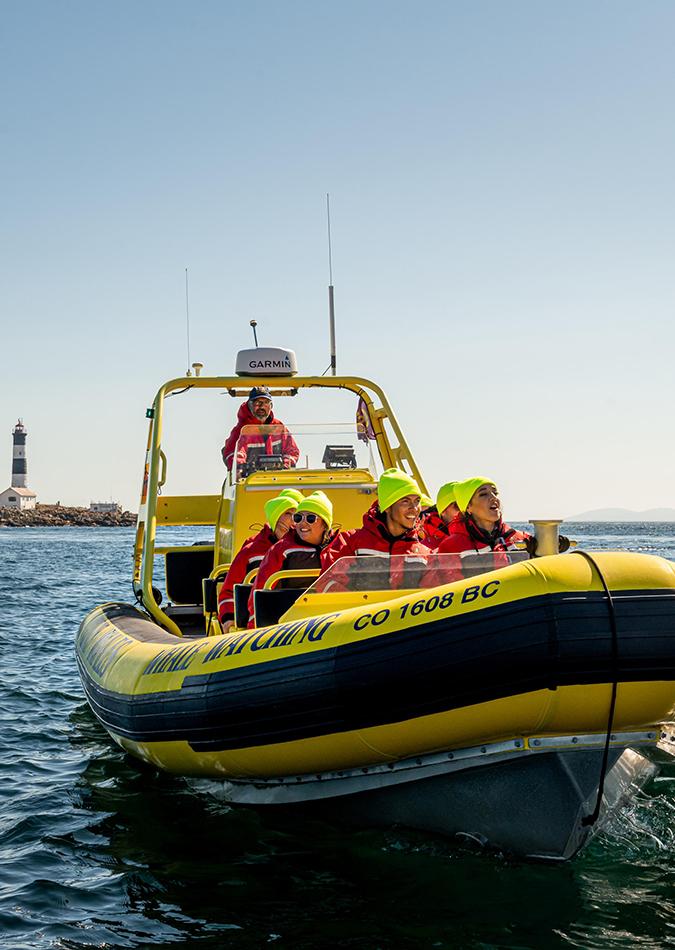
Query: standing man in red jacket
pixel 258 411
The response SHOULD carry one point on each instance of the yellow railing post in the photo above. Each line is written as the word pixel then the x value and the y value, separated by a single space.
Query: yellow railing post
pixel 149 601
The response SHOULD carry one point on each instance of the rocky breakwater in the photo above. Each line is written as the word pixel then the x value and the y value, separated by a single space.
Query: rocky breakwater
pixel 58 516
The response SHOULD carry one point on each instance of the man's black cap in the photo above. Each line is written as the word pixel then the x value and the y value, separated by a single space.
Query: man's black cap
pixel 259 392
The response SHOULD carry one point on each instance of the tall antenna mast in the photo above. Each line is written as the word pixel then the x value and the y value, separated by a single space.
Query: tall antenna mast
pixel 331 303
pixel 187 321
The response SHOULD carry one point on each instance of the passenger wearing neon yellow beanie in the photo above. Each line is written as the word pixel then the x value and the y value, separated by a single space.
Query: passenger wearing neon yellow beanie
pixel 319 505
pixel 278 511
pixel 464 492
pixel 399 501
pixel 285 503
pixel 391 526
pixel 436 519
pixel 480 527
pixel 305 547
pixel 446 502
pixel 393 485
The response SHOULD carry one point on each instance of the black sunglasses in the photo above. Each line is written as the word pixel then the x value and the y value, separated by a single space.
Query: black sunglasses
pixel 307 516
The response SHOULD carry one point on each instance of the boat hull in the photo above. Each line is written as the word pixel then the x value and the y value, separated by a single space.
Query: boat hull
pixel 533 807
pixel 534 801
pixel 520 661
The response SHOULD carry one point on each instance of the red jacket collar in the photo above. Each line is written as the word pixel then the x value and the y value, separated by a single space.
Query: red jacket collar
pixel 374 521
pixel 265 534
pixel 464 524
pixel 291 540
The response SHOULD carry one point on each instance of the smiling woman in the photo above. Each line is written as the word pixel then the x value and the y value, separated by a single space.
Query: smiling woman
pixel 314 518
pixel 307 546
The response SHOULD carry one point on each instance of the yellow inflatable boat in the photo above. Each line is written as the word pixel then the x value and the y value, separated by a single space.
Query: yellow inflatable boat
pixel 516 706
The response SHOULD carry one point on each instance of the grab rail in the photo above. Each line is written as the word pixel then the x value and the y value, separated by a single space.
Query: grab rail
pixel 280 575
pixel 221 569
pixel 162 478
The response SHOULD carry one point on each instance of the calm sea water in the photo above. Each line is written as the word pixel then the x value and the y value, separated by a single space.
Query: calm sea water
pixel 97 850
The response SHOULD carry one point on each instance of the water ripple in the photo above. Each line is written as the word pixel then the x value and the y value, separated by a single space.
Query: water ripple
pixel 97 850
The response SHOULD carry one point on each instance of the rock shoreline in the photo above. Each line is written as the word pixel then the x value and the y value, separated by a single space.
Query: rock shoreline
pixel 57 516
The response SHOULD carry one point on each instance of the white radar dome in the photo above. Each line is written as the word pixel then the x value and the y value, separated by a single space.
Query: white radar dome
pixel 266 361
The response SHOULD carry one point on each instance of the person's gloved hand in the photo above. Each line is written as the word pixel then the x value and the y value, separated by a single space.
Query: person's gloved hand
pixel 531 545
pixel 563 544
pixel 287 462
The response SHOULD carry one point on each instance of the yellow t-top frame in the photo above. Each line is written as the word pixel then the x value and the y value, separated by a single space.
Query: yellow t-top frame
pixel 220 510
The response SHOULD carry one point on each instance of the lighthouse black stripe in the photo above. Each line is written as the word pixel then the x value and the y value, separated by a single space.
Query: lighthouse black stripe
pixel 501 651
pixel 19 467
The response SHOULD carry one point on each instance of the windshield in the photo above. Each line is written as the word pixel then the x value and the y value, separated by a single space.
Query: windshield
pixel 408 571
pixel 263 448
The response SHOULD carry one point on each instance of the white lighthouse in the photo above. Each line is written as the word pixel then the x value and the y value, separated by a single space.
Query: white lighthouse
pixel 19 494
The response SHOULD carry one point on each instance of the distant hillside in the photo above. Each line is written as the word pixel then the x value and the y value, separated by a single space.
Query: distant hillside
pixel 625 514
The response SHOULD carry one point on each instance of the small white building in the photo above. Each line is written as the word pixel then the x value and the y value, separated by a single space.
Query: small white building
pixel 21 498
pixel 107 507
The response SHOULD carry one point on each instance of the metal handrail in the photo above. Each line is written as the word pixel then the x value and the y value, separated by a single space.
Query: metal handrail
pixel 280 575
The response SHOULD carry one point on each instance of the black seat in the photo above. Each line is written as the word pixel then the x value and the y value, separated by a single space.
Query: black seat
pixel 241 594
pixel 185 571
pixel 270 605
pixel 210 589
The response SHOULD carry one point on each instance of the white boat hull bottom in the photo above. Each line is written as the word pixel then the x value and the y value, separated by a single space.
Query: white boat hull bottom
pixel 531 805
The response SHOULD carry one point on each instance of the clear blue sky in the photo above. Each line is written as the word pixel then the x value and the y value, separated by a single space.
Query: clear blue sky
pixel 501 179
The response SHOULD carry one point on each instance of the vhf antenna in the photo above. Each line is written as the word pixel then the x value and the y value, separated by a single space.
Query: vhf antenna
pixel 331 304
pixel 255 335
pixel 187 321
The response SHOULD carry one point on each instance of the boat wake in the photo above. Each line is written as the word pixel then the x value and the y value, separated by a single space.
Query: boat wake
pixel 646 825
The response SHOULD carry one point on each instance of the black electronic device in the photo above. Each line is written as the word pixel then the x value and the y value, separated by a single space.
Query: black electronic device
pixel 257 460
pixel 269 463
pixel 339 456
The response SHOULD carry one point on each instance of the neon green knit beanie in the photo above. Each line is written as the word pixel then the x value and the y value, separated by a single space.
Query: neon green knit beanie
pixel 464 491
pixel 445 496
pixel 394 485
pixel 320 504
pixel 275 508
pixel 292 493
